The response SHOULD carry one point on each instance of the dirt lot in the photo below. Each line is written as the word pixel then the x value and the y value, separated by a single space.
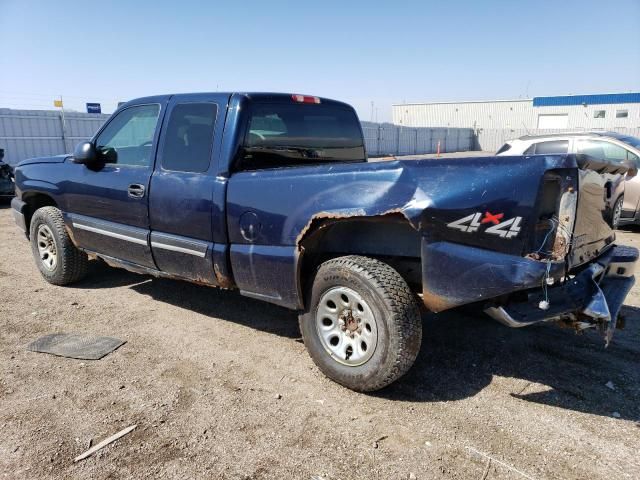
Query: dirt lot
pixel 220 386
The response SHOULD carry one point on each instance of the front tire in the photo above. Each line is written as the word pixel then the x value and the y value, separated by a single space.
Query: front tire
pixel 57 258
pixel 362 326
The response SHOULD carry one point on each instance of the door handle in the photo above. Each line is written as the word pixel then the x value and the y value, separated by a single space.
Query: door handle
pixel 136 190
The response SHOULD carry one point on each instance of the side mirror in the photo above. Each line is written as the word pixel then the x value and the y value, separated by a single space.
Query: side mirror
pixel 85 153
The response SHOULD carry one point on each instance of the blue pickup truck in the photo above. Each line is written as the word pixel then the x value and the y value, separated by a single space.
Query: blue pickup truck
pixel 272 195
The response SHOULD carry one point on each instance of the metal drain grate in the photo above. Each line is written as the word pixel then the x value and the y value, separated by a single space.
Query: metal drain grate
pixel 83 347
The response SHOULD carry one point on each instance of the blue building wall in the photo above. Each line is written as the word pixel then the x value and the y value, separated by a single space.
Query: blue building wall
pixel 598 99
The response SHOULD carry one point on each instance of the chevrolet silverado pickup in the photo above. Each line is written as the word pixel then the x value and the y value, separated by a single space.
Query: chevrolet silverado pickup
pixel 272 195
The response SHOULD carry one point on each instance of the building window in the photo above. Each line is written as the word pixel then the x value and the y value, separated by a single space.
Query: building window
pixel 622 113
pixel 599 114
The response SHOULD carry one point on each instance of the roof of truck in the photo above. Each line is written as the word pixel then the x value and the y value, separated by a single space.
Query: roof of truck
pixel 254 96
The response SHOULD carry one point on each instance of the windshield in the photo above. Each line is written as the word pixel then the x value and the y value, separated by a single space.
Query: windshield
pixel 297 134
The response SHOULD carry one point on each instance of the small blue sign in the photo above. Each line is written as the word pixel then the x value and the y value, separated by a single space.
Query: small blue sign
pixel 94 108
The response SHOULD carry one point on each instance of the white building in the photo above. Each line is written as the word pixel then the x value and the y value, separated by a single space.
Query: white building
pixel 603 111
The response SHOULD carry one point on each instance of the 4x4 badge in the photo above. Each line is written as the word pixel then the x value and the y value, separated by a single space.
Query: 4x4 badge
pixel 471 223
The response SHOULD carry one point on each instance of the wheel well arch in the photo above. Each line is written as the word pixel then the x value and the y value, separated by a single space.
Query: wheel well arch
pixel 34 201
pixel 390 238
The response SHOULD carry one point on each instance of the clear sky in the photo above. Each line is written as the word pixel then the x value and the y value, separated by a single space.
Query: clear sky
pixel 357 51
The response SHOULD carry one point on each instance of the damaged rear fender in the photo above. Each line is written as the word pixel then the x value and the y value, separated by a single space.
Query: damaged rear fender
pixel 388 236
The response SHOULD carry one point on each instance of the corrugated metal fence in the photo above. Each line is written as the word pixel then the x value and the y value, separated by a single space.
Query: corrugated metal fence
pixel 389 139
pixel 33 133
pixel 491 140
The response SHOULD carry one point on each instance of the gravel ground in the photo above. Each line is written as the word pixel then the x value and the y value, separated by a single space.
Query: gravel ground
pixel 220 386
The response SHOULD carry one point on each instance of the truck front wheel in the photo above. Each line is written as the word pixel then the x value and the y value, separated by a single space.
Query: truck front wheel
pixel 362 326
pixel 58 259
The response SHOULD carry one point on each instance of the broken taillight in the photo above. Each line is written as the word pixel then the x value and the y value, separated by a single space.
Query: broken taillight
pixel 556 216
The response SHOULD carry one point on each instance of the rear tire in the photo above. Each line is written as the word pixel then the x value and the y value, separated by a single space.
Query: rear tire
pixel 373 335
pixel 57 258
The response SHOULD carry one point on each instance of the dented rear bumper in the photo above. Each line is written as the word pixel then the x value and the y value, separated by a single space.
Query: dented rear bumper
pixel 519 291
pixel 455 274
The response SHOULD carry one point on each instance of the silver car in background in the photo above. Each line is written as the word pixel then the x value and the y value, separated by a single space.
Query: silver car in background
pixel 595 146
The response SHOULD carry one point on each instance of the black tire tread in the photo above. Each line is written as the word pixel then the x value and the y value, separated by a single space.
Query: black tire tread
pixel 74 263
pixel 403 309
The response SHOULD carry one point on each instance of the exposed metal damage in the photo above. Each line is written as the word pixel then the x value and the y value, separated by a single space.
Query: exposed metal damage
pixel 474 267
pixel 317 220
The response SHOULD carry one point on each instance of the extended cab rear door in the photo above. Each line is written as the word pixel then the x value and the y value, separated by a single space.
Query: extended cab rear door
pixel 188 234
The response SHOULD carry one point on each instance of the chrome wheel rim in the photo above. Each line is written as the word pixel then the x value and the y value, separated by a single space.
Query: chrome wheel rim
pixel 617 213
pixel 47 247
pixel 346 326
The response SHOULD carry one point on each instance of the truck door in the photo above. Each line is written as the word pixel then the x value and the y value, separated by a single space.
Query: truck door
pixel 187 230
pixel 107 207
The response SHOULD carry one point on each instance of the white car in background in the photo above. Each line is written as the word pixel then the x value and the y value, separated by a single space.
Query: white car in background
pixel 596 146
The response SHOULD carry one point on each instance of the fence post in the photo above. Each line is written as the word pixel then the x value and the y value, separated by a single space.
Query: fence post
pixel 64 127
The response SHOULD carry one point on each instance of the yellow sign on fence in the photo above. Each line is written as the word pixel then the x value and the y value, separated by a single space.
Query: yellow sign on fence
pixel 57 103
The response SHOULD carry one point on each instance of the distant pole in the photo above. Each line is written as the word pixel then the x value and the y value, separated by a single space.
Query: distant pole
pixel 64 125
pixel 372 110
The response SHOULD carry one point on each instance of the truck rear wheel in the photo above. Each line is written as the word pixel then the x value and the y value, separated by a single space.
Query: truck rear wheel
pixel 362 326
pixel 58 259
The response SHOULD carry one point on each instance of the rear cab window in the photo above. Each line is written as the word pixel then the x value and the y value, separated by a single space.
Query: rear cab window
pixel 299 134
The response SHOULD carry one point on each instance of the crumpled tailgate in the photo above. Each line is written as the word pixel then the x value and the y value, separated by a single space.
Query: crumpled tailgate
pixel 598 190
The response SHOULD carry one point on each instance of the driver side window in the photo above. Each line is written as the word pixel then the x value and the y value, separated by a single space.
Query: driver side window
pixel 128 138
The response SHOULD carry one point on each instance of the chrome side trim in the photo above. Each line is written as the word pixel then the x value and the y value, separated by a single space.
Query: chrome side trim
pixel 174 248
pixel 177 243
pixel 127 233
pixel 108 233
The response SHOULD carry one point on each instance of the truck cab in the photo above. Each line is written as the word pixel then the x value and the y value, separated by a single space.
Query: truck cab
pixel 149 191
